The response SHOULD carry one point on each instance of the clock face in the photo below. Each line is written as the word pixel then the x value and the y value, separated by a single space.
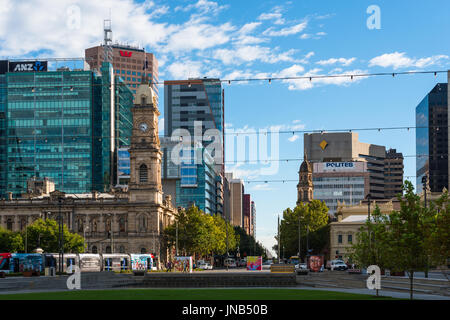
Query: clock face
pixel 143 127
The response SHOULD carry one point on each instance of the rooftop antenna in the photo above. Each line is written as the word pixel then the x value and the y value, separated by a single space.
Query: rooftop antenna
pixel 107 43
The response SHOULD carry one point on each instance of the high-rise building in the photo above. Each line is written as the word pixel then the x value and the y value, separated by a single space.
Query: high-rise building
pixel 393 173
pixel 195 106
pixel 432 143
pixel 246 208
pixel 345 147
pixel 236 200
pixel 190 182
pixel 253 219
pixel 64 125
pixel 195 102
pixel 129 62
pixel 340 182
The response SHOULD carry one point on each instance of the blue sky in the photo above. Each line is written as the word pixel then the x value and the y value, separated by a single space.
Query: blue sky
pixel 240 39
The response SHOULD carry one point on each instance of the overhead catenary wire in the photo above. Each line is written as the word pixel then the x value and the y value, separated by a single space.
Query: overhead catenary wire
pixel 351 76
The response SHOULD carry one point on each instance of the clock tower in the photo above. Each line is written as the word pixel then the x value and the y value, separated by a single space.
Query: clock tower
pixel 145 153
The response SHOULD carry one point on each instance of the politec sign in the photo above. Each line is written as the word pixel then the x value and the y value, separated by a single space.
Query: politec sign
pixel 340 167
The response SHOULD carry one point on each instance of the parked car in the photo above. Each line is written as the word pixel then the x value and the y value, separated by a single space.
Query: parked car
pixel 336 265
pixel 230 263
pixel 301 266
pixel 266 264
pixel 243 263
pixel 205 266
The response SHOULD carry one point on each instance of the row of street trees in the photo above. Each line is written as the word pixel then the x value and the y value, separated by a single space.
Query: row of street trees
pixel 201 234
pixel 414 238
pixel 314 229
pixel 40 234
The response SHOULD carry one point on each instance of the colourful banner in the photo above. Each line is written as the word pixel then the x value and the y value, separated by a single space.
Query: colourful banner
pixel 254 263
pixel 182 264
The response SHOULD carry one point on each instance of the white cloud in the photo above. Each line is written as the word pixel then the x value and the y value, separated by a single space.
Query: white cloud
pixel 197 36
pixel 276 16
pixel 65 28
pixel 186 69
pixel 161 126
pixel 261 187
pixel 294 138
pixel 286 31
pixel 343 61
pixel 243 54
pixel 398 60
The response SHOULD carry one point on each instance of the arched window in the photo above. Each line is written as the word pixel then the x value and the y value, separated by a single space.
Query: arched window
pixel 122 249
pixel 9 224
pixel 108 249
pixel 94 249
pixel 305 194
pixel 143 173
pixel 94 226
pixel 108 225
pixel 122 224
pixel 143 100
pixel 143 250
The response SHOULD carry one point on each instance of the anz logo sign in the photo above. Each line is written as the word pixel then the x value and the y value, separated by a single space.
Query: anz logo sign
pixel 35 66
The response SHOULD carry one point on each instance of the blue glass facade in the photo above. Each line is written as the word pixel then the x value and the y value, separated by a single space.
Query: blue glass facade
pixel 51 128
pixel 432 139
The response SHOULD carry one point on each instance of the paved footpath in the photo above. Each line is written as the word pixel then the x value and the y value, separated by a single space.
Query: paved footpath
pixel 393 294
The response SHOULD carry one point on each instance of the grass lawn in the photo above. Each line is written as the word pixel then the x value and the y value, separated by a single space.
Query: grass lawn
pixel 192 294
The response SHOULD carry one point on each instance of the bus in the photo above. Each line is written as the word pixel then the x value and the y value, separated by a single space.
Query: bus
pixel 294 260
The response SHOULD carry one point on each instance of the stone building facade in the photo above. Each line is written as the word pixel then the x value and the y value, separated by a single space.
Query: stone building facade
pixel 116 222
pixel 305 188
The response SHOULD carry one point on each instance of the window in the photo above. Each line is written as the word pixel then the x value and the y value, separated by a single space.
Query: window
pixel 143 250
pixel 23 224
pixel 108 225
pixel 108 249
pixel 80 225
pixel 9 224
pixel 94 249
pixel 143 173
pixel 142 223
pixel 349 238
pixel 122 250
pixel 122 225
pixel 340 238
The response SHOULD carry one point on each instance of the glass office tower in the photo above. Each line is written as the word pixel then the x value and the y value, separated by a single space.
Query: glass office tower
pixel 196 105
pixel 432 139
pixel 58 125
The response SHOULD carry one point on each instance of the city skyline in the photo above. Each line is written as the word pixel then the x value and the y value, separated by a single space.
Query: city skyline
pixel 206 38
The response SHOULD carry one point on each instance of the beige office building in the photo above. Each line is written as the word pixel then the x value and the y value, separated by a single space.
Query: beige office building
pixel 345 147
pixel 235 200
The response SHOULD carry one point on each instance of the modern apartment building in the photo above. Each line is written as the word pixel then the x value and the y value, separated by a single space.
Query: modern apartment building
pixel 432 143
pixel 236 200
pixel 129 62
pixel 393 173
pixel 64 125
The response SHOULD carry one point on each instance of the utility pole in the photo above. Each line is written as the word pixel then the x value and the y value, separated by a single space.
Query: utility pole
pixel 176 235
pixel 299 242
pixel 279 239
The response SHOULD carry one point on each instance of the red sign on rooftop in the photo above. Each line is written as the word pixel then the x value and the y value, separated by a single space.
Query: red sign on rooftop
pixel 125 53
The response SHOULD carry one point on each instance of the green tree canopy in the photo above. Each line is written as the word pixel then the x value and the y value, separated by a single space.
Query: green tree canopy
pixel 10 241
pixel 199 233
pixel 313 218
pixel 45 234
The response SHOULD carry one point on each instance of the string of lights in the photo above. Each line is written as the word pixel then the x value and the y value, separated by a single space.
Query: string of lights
pixel 437 127
pixel 229 81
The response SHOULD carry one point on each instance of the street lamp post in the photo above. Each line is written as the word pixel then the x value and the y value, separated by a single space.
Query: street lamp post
pixel 176 236
pixel 61 237
pixel 424 184
pixel 299 243
pixel 368 197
